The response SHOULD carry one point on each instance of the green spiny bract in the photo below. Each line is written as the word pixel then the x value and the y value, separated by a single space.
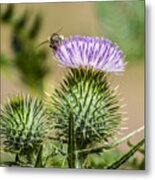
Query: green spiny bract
pixel 86 107
pixel 23 125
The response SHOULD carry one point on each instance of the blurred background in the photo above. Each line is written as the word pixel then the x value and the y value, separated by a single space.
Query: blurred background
pixel 25 68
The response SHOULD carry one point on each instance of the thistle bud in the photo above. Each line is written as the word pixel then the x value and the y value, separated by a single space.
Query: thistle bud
pixel 23 125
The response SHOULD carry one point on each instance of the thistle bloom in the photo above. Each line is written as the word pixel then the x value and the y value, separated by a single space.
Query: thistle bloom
pixel 85 109
pixel 87 52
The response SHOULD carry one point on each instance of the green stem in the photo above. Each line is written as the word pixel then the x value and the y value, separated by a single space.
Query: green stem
pixel 38 162
pixel 17 158
pixel 81 160
pixel 71 144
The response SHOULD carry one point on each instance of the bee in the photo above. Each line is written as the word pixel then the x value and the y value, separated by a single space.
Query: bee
pixel 54 40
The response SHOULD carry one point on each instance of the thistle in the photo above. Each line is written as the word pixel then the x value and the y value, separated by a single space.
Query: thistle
pixel 87 52
pixel 85 109
pixel 23 126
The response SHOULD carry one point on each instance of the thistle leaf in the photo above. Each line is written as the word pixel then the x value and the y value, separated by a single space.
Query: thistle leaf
pixel 125 157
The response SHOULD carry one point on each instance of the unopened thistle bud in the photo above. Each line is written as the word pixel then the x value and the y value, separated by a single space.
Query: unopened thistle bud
pixel 23 125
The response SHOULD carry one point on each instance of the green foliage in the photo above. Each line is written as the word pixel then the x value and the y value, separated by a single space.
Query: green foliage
pixel 123 22
pixel 100 160
pixel 6 15
pixel 30 62
pixel 104 158
pixel 23 126
pixel 32 67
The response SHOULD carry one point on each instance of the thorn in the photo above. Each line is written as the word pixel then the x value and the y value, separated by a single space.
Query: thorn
pixel 125 119
pixel 124 113
pixel 46 93
pixel 124 105
pixel 122 99
pixel 124 128
pixel 116 88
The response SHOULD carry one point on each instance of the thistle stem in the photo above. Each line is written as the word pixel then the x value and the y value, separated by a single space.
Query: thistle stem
pixel 71 144
pixel 17 158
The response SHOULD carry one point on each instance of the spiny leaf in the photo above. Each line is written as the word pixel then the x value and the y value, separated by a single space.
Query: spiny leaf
pixel 125 157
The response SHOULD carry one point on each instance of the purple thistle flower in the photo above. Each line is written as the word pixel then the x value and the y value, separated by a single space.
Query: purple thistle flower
pixel 89 52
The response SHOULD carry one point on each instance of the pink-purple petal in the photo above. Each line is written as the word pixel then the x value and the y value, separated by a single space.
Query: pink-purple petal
pixel 88 52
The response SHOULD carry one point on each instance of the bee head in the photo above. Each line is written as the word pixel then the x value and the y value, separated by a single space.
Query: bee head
pixel 55 40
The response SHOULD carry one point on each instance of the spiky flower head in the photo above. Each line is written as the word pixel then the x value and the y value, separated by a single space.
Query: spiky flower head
pixel 86 104
pixel 87 52
pixel 23 124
